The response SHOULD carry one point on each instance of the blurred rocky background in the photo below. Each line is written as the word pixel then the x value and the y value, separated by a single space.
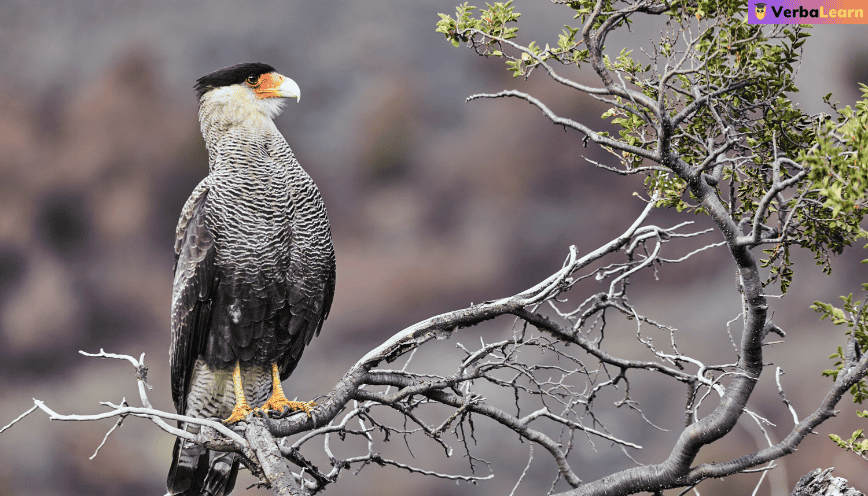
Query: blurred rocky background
pixel 434 202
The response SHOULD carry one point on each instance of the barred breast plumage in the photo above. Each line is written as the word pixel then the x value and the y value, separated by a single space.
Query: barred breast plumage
pixel 255 269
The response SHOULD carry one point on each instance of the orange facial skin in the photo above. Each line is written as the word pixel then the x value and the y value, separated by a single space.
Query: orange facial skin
pixel 267 85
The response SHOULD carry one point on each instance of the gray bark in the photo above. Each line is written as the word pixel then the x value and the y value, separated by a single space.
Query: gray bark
pixel 273 464
pixel 820 482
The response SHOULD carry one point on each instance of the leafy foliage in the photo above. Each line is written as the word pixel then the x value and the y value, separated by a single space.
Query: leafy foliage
pixel 492 21
pixel 855 316
pixel 857 442
pixel 838 165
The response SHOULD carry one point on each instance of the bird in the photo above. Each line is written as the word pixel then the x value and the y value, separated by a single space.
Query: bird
pixel 254 275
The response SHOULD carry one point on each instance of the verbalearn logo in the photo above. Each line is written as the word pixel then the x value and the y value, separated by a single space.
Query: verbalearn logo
pixel 804 13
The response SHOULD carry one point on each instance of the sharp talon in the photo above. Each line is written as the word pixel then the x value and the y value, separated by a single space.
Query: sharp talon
pixel 238 414
pixel 278 404
pixel 278 412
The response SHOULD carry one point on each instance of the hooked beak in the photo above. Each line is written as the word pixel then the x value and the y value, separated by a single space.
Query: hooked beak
pixel 274 85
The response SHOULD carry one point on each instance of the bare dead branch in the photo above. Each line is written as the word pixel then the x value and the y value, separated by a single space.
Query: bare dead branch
pixel 566 122
pixel 778 373
pixel 28 412
pixel 273 464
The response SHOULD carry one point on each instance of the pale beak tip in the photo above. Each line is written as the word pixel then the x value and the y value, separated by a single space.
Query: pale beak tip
pixel 289 88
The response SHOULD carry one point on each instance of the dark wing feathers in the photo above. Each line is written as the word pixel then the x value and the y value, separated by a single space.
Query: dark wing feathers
pixel 310 299
pixel 227 313
pixel 191 292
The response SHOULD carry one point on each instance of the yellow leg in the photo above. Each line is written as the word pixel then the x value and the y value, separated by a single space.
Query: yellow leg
pixel 278 402
pixel 241 407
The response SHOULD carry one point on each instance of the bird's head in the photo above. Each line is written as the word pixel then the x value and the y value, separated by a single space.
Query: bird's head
pixel 246 90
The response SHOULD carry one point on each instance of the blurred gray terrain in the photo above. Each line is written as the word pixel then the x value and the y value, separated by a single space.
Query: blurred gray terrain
pixel 434 203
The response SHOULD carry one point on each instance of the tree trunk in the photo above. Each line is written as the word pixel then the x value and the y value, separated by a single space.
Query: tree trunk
pixel 821 483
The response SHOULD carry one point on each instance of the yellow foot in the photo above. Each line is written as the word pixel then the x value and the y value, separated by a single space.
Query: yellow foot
pixel 238 413
pixel 280 405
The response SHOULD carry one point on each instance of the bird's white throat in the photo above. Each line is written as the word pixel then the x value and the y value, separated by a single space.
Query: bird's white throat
pixel 222 109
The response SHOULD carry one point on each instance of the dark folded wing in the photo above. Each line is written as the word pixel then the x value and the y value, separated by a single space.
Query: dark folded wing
pixel 191 292
pixel 311 275
pixel 310 298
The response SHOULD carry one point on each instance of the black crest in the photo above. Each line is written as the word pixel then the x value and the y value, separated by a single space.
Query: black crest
pixel 228 76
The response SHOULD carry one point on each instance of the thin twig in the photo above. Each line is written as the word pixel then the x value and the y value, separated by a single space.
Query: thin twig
pixel 523 472
pixel 28 412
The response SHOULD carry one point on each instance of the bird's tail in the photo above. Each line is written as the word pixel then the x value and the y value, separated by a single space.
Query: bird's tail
pixel 197 471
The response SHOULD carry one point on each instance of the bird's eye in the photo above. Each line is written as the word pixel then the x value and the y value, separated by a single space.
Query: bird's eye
pixel 252 80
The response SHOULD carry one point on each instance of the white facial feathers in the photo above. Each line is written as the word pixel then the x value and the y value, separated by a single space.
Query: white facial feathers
pixel 239 103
